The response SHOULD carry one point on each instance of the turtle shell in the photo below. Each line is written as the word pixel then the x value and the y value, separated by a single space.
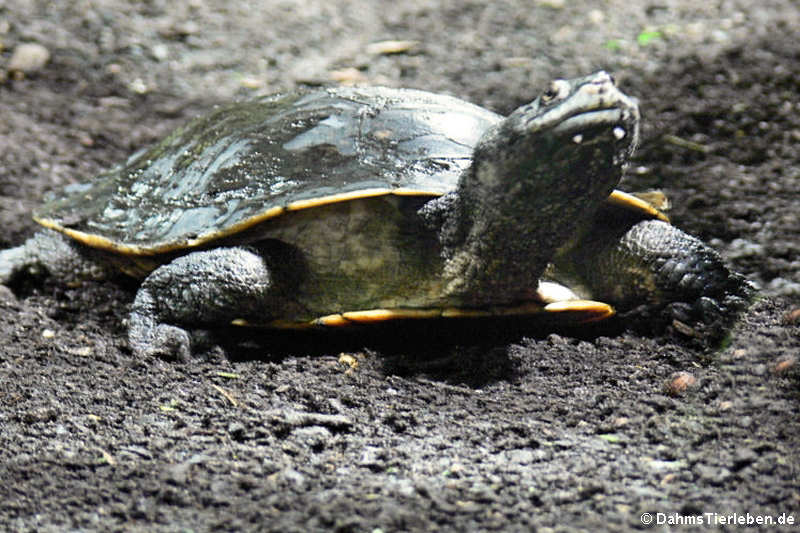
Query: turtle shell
pixel 248 162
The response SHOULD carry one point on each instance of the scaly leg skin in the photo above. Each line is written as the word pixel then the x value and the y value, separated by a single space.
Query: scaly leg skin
pixel 209 287
pixel 49 252
pixel 655 264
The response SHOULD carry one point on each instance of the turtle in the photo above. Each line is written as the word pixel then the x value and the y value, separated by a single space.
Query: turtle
pixel 331 207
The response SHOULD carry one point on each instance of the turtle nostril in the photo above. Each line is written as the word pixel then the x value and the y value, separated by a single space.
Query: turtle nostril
pixel 603 77
pixel 603 81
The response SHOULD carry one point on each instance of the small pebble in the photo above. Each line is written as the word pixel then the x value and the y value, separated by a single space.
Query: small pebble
pixel 596 17
pixel 160 52
pixel 679 382
pixel 138 86
pixel 620 421
pixel 84 351
pixel 390 47
pixel 792 317
pixel 684 328
pixel 28 58
pixel 783 365
pixel 349 360
pixel 251 82
pixel 725 405
pixel 347 76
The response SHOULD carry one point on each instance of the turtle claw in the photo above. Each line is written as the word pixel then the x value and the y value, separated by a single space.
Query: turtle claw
pixel 149 338
pixel 720 303
pixel 164 341
pixel 171 342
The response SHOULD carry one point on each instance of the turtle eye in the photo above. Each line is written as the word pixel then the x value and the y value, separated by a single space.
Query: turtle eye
pixel 558 90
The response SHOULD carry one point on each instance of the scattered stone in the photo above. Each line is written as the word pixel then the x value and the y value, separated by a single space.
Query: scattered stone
pixel 679 382
pixel 294 477
pixel 783 364
pixel 556 340
pixel 160 52
pixel 523 457
pixel 349 360
pixel 138 86
pixel 725 405
pixel 744 457
pixel 373 458
pixel 684 329
pixel 28 58
pixel 391 47
pixel 252 82
pixel 315 437
pixel 347 76
pixel 620 421
pixel 83 351
pixel 660 465
pixel 792 317
pixel 710 474
pixel 178 474
pixel 596 17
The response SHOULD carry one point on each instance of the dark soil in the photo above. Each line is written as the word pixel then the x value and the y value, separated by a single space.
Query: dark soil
pixel 509 431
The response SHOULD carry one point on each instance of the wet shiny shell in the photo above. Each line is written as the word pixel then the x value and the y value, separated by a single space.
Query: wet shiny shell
pixel 249 162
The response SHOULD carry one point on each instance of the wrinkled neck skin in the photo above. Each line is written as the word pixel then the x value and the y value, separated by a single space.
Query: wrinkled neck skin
pixel 513 208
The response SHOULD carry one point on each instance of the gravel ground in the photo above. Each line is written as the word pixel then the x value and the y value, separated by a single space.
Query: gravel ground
pixel 412 431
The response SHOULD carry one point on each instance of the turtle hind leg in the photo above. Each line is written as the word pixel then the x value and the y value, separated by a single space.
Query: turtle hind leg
pixel 202 288
pixel 51 253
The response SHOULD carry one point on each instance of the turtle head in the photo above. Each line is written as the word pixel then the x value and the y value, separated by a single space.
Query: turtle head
pixel 569 145
pixel 572 119
pixel 536 177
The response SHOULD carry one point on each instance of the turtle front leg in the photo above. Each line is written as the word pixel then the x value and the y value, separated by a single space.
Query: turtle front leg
pixel 199 289
pixel 655 264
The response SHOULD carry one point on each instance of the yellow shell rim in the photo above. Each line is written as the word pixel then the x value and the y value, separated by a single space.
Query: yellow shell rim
pixel 617 198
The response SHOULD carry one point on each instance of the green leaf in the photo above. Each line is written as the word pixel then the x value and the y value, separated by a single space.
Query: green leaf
pixel 648 36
